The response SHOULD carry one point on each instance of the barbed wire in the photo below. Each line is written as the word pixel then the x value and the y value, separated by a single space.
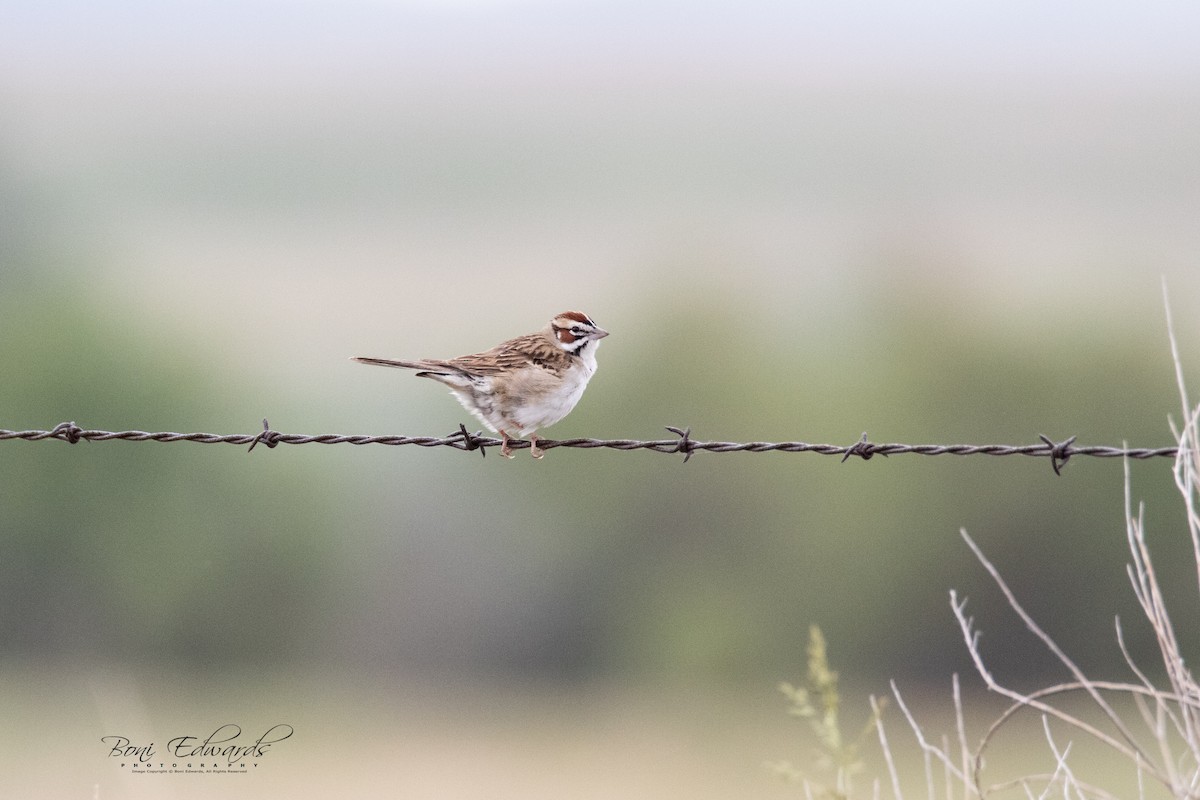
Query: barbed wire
pixel 462 439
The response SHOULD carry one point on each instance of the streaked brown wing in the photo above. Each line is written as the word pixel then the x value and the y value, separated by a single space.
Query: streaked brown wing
pixel 514 354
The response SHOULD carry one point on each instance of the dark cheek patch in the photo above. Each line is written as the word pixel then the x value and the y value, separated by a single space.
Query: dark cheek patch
pixel 565 336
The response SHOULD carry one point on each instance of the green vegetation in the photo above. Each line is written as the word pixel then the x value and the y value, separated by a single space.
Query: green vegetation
pixel 657 567
pixel 817 701
pixel 1151 723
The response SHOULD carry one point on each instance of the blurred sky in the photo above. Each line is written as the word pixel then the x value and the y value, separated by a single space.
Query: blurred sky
pixel 1038 150
pixel 1119 41
pixel 1014 156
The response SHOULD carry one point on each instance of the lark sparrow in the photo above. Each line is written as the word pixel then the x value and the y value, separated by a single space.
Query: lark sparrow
pixel 523 384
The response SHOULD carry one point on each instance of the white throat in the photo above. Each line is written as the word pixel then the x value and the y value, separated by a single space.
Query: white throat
pixel 587 354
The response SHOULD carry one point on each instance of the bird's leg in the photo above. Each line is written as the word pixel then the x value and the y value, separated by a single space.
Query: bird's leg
pixel 534 450
pixel 505 450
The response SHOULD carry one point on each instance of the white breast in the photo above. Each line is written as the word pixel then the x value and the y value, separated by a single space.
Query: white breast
pixel 549 407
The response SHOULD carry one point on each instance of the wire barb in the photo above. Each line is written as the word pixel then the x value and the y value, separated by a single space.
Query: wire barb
pixel 266 436
pixel 67 431
pixel 470 441
pixel 684 445
pixel 862 448
pixel 1060 452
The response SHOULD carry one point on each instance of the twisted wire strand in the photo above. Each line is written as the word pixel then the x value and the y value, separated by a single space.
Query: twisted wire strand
pixel 462 439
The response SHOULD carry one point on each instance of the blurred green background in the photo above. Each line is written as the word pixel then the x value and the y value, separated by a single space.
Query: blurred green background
pixel 938 226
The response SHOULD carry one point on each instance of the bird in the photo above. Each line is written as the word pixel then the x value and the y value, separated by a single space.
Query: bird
pixel 523 384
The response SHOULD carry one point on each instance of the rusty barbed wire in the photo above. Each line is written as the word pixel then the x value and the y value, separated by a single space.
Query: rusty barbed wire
pixel 462 439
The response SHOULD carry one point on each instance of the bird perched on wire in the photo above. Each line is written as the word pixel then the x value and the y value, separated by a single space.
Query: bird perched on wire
pixel 522 385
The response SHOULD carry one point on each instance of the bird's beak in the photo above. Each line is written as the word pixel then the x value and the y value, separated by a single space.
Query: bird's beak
pixel 599 333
